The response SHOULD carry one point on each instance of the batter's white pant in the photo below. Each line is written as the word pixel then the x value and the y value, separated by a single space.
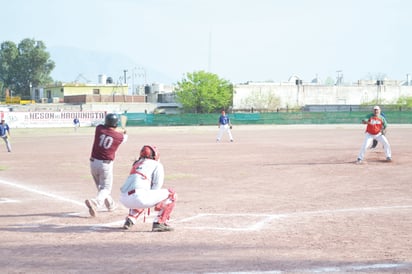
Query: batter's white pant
pixel 222 129
pixel 103 178
pixel 368 140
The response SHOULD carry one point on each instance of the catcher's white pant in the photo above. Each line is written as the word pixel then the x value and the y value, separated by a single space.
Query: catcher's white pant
pixel 222 129
pixel 144 198
pixel 368 140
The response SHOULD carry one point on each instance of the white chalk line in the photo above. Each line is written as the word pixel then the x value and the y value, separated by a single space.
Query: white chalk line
pixel 330 269
pixel 6 201
pixel 43 193
pixel 266 218
pixel 256 226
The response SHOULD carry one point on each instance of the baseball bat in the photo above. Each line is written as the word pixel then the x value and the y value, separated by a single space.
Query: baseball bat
pixel 123 121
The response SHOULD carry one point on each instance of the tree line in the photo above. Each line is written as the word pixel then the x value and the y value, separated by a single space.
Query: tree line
pixel 24 66
pixel 28 64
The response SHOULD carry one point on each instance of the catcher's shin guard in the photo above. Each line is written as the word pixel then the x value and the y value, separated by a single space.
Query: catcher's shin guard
pixel 165 207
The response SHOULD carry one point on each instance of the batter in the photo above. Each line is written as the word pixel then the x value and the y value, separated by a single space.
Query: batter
pixel 107 140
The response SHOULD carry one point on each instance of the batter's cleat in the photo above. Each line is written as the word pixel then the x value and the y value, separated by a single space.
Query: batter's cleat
pixel 128 224
pixel 158 227
pixel 388 159
pixel 359 161
pixel 110 205
pixel 92 207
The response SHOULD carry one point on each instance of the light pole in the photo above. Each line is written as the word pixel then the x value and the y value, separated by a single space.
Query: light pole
pixel 339 77
pixel 379 83
pixel 298 84
pixel 125 79
pixel 143 74
pixel 133 75
pixel 30 91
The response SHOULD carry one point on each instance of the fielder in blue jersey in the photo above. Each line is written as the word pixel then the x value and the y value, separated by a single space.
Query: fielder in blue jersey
pixel 224 124
pixel 5 133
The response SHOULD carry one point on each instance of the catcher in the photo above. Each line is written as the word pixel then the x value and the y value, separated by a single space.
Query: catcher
pixel 224 124
pixel 143 190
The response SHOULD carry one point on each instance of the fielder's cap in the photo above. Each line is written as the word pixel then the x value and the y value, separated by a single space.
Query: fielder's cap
pixel 376 107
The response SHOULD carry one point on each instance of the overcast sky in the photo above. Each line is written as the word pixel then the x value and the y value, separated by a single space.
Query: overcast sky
pixel 240 40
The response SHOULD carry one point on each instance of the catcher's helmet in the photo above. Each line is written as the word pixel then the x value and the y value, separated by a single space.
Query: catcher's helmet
pixel 111 120
pixel 150 152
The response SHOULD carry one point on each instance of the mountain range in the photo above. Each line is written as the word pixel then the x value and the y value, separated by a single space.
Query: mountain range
pixel 85 66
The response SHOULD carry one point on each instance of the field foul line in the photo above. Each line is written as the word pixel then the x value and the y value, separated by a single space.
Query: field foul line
pixel 6 201
pixel 270 217
pixel 331 269
pixel 32 190
pixel 254 227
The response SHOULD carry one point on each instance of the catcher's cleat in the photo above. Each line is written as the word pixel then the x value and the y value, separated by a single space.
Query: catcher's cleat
pixel 110 205
pixel 128 224
pixel 359 161
pixel 158 227
pixel 92 207
pixel 388 159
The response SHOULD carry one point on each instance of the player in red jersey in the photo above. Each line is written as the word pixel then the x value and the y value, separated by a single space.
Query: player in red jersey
pixel 375 124
pixel 107 140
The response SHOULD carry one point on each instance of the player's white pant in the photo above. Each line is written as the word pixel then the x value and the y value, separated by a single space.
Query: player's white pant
pixel 144 198
pixel 368 140
pixel 222 129
pixel 103 178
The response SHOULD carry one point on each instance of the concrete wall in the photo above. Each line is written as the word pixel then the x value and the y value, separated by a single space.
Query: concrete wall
pixel 247 96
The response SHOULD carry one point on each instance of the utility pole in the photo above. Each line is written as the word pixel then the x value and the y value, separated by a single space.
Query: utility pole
pixel 125 79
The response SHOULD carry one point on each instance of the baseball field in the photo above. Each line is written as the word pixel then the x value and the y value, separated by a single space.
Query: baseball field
pixel 279 199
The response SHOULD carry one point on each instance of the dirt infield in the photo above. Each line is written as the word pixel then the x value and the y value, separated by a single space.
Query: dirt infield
pixel 280 199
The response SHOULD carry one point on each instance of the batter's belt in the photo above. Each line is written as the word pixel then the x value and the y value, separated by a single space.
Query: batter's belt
pixel 104 161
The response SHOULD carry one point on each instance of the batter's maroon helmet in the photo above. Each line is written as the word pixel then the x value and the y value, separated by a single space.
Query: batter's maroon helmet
pixel 150 152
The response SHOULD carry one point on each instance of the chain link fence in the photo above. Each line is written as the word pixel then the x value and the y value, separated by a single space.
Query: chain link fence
pixel 281 118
